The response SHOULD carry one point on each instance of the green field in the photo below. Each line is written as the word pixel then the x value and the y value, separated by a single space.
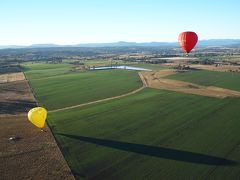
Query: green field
pixel 119 62
pixel 154 134
pixel 210 78
pixel 102 62
pixel 55 88
pixel 43 70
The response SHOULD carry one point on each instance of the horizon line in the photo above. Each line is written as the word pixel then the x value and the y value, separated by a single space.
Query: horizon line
pixel 89 43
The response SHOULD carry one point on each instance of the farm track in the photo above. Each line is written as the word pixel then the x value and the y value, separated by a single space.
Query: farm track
pixel 106 99
pixel 156 80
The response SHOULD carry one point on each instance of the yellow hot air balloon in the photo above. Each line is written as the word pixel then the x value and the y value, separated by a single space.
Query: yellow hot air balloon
pixel 37 116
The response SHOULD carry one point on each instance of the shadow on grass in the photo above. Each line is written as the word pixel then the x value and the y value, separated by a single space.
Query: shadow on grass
pixel 160 152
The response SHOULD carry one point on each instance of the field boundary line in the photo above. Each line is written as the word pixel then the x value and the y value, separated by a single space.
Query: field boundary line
pixel 152 81
pixel 31 89
pixel 98 101
pixel 106 99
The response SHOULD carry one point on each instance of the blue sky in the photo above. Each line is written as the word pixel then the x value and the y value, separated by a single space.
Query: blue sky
pixel 25 22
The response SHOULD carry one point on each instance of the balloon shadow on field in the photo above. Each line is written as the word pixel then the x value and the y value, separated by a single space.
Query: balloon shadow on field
pixel 155 151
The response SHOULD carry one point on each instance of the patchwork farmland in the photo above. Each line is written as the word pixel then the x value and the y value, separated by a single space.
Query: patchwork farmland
pixel 151 134
pixel 119 90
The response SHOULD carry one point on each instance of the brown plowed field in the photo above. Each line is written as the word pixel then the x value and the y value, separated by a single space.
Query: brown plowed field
pixel 11 77
pixel 34 154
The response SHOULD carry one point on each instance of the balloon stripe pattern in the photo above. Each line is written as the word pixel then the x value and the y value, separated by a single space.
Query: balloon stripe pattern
pixel 187 41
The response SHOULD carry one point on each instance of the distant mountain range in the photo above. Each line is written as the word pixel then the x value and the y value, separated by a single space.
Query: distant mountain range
pixel 210 42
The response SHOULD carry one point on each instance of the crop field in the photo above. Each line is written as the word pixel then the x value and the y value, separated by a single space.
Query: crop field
pixel 148 135
pixel 102 62
pixel 227 80
pixel 43 70
pixel 119 62
pixel 154 134
pixel 62 90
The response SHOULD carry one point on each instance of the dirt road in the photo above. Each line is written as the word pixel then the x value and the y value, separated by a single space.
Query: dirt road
pixel 156 80
pixel 101 100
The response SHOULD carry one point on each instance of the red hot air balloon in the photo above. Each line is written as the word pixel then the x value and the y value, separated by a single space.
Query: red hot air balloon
pixel 187 40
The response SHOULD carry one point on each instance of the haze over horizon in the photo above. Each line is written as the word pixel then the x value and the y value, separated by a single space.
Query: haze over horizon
pixel 70 22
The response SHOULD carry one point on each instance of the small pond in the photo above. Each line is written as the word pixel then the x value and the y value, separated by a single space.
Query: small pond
pixel 120 67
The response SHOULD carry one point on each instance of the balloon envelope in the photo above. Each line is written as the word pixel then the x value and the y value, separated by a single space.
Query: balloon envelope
pixel 187 40
pixel 37 116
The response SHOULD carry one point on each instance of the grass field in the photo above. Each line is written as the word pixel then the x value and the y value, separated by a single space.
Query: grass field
pixel 154 134
pixel 102 62
pixel 210 78
pixel 119 62
pixel 43 70
pixel 54 89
